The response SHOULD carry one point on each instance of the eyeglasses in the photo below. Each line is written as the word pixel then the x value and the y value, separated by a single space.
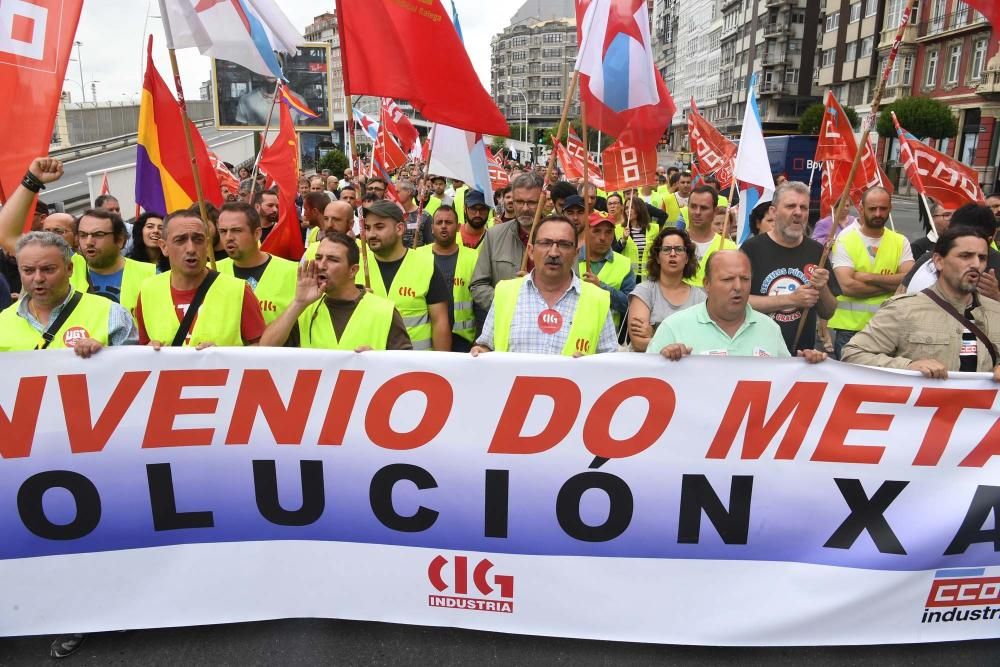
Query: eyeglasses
pixel 673 250
pixel 97 236
pixel 546 244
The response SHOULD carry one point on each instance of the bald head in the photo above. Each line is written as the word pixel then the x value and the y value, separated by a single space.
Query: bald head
pixel 338 216
pixel 62 224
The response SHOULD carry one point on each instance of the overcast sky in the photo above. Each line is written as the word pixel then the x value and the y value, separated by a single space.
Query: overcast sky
pixel 113 43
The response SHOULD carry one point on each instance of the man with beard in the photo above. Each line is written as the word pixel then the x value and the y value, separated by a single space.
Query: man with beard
pixel 331 311
pixel 407 278
pixel 271 278
pixel 456 262
pixel 783 262
pixel 503 246
pixel 101 236
pixel 550 310
pixel 437 196
pixel 477 215
pixel 869 262
pixel 958 329
pixel 266 203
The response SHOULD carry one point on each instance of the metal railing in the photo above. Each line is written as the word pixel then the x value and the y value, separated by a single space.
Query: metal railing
pixel 96 147
pixel 948 22
pixel 771 58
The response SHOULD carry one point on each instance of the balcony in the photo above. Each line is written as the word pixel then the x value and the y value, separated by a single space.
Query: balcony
pixel 989 83
pixel 777 3
pixel 777 29
pixel 726 4
pixel 772 58
pixel 771 88
pixel 951 24
pixel 728 32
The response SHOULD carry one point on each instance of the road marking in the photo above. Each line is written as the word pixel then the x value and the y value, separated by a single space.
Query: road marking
pixel 125 148
pixel 62 187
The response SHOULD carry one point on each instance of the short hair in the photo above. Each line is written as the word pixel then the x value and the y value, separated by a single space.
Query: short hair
pixel 406 185
pixel 249 213
pixel 653 254
pixel 556 218
pixel 434 179
pixel 705 189
pixel 758 213
pixel 874 188
pixel 316 177
pixel 348 187
pixel 682 174
pixel 993 195
pixel 316 200
pixel 117 224
pixel 353 252
pixel 101 199
pixel 258 196
pixel 447 208
pixel 46 239
pixel 977 216
pixel 947 239
pixel 377 179
pixel 615 195
pixel 789 186
pixel 180 213
pixel 711 258
pixel 527 181
pixel 562 190
pixel 674 177
pixel 672 170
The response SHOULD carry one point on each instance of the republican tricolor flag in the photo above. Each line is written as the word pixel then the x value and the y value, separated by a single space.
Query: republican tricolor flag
pixel 295 102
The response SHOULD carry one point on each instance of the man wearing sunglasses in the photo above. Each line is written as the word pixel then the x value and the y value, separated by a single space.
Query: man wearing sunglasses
pixel 550 310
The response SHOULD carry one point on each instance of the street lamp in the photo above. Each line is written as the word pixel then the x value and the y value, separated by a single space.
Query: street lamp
pixel 79 61
pixel 524 135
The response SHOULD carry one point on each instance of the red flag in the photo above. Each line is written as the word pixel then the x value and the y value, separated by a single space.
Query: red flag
pixel 837 146
pixel 935 175
pixel 628 166
pixel 225 177
pixel 988 8
pixel 715 153
pixel 499 178
pixel 573 155
pixel 399 125
pixel 619 83
pixel 836 136
pixel 105 188
pixel 388 151
pixel 424 45
pixel 38 36
pixel 280 161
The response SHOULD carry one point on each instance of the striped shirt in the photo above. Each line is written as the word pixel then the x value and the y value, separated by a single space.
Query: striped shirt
pixel 121 326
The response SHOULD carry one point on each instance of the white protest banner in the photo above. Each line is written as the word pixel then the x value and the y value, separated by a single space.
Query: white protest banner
pixel 623 497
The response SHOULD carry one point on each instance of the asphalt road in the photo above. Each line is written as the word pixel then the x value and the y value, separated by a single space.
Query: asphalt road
pixel 315 641
pixel 73 184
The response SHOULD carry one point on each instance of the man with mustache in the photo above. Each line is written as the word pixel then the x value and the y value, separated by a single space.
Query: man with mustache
pixel 550 310
pixel 869 262
pixel 937 330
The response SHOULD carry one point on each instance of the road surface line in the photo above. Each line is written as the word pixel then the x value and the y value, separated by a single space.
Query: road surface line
pixel 62 187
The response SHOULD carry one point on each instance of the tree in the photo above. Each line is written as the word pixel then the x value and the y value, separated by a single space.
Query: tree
pixel 922 117
pixel 811 118
pixel 498 144
pixel 335 161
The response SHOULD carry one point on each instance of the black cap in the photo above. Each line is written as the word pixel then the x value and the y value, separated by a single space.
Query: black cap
pixel 385 209
pixel 475 198
pixel 571 201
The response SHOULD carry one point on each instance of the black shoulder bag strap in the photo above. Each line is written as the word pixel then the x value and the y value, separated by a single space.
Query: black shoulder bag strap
pixel 50 332
pixel 967 323
pixel 193 309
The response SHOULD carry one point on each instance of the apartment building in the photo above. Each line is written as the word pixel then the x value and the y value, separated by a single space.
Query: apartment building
pixel 699 25
pixel 848 61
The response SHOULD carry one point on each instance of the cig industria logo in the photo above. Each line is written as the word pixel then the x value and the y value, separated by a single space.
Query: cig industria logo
pixel 452 578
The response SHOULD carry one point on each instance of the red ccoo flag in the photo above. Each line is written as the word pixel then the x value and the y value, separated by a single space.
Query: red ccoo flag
pixel 935 175
pixel 399 125
pixel 279 161
pixel 424 45
pixel 715 153
pixel 38 36
pixel 628 166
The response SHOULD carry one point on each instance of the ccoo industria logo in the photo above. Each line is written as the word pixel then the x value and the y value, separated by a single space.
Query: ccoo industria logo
pixel 497 589
pixel 968 594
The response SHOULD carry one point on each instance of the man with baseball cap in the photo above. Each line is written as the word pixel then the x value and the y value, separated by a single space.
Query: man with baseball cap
pixel 477 218
pixel 602 266
pixel 409 279
pixel 572 208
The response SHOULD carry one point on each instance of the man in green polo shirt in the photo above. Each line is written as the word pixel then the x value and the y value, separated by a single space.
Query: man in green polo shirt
pixel 724 324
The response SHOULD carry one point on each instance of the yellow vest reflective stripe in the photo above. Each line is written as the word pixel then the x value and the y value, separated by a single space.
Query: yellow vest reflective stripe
pixel 218 319
pixel 88 320
pixel 433 203
pixel 409 292
pixel 699 276
pixel 613 273
pixel 631 250
pixel 588 319
pixel 465 317
pixel 853 313
pixel 276 287
pixel 312 235
pixel 369 325
pixel 134 275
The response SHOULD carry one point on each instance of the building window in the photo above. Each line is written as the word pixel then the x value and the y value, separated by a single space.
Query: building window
pixel 961 14
pixel 977 60
pixel 519 55
pixel 867 44
pixel 798 17
pixel 871 8
pixel 521 40
pixel 936 23
pixel 552 53
pixel 551 67
pixel 550 81
pixel 930 79
pixel 855 12
pixel 791 75
pixel 851 53
pixel 552 38
pixel 954 60
pixel 828 58
pixel 833 21
pixel 907 69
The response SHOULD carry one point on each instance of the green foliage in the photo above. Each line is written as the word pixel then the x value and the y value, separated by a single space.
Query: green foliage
pixel 498 144
pixel 922 117
pixel 335 161
pixel 811 118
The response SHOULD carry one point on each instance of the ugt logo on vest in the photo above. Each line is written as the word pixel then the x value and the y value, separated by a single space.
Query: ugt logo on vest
pixel 408 291
pixel 502 588
pixel 74 335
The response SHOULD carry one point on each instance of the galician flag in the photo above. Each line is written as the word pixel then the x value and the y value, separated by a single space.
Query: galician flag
pixel 753 170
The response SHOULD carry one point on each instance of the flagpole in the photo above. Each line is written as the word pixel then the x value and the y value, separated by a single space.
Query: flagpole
pixel 354 156
pixel 866 130
pixel 927 210
pixel 263 142
pixel 551 161
pixel 425 194
pixel 586 184
pixel 168 34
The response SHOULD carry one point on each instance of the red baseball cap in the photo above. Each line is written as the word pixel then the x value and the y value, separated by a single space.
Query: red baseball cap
pixel 597 218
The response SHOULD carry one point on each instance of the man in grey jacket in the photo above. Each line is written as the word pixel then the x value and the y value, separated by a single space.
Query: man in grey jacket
pixel 503 247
